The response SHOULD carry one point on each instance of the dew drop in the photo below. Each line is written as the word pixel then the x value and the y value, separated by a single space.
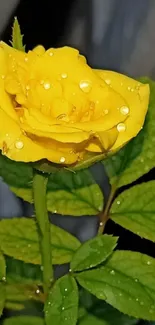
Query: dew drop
pixel 85 86
pixel 41 268
pixel 129 88
pixel 132 89
pixel 27 87
pixel 47 85
pixel 63 308
pixel 136 280
pixel 4 279
pixel 124 110
pixel 3 76
pixel 120 294
pixel 62 159
pixel 112 272
pixel 66 289
pixel 19 144
pixel 26 59
pixel 137 299
pixel 37 291
pixel 51 53
pixel 49 303
pixel 101 224
pixel 148 262
pixel 121 127
pixel 64 75
pixel 108 81
pixel 106 111
pixel 118 202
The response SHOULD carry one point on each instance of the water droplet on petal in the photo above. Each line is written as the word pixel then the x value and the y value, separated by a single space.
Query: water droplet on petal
pixel 129 88
pixel 112 272
pixel 47 85
pixel 85 86
pixel 62 159
pixel 121 127
pixel 64 75
pixel 106 111
pixel 19 144
pixel 124 110
pixel 3 76
pixel 26 59
pixel 51 53
pixel 108 81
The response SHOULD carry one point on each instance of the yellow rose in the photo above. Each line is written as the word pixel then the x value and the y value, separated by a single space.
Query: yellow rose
pixel 54 106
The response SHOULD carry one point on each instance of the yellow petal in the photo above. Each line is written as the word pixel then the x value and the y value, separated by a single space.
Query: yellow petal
pixel 137 98
pixel 104 141
pixel 39 50
pixel 60 132
pixel 17 146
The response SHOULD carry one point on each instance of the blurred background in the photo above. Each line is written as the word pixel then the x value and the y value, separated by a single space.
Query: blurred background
pixel 113 34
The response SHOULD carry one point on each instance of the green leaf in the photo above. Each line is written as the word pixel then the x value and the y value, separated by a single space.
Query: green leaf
pixel 2 297
pixel 126 281
pixel 90 319
pixel 93 252
pixel 23 273
pixel 17 37
pixel 19 239
pixel 134 210
pixel 138 156
pixel 2 268
pixel 24 320
pixel 68 193
pixel 111 315
pixel 62 303
pixel 21 292
pixel 112 318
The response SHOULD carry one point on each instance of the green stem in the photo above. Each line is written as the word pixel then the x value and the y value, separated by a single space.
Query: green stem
pixel 104 215
pixel 39 191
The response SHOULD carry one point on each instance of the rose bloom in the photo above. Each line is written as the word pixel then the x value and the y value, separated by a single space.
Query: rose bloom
pixel 53 106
